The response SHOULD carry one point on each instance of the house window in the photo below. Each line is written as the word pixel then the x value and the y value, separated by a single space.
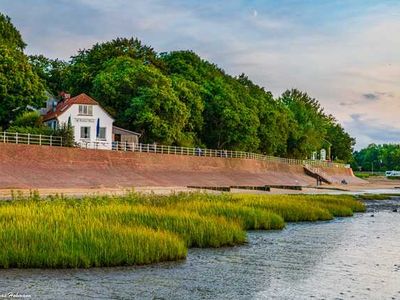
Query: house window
pixel 102 133
pixel 85 132
pixel 86 110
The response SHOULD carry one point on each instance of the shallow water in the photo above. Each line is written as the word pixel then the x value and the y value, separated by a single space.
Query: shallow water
pixel 348 258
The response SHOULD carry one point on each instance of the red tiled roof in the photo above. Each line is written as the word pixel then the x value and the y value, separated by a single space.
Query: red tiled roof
pixel 62 106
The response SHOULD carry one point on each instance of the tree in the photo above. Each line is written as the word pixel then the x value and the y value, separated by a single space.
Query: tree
pixel 189 93
pixel 85 66
pixel 19 85
pixel 52 71
pixel 143 99
pixel 9 35
pixel 341 142
pixel 67 134
pixel 384 157
pixel 229 124
pixel 309 129
pixel 30 122
pixel 273 116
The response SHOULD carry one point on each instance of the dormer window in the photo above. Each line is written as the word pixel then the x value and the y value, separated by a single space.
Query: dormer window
pixel 86 110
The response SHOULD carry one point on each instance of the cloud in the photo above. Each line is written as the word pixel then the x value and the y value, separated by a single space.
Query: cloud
pixel 370 130
pixel 371 96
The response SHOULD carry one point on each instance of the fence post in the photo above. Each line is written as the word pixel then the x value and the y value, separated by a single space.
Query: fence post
pixel 4 138
pixel 51 140
pixel 16 137
pixel 40 139
pixel 61 141
pixel 29 138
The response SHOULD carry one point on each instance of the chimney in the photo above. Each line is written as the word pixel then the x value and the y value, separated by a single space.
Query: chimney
pixel 65 96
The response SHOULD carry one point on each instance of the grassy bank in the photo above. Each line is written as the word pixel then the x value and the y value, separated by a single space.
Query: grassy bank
pixel 134 229
pixel 377 196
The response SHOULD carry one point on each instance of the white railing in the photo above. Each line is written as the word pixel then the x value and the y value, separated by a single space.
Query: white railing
pixel 30 139
pixel 175 150
pixel 37 139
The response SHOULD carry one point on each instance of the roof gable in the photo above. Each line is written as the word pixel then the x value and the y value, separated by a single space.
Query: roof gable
pixel 66 104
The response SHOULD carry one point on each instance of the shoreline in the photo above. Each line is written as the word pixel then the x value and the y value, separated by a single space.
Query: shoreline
pixel 378 185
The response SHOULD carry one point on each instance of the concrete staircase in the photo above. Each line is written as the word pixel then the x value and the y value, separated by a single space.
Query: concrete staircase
pixel 317 173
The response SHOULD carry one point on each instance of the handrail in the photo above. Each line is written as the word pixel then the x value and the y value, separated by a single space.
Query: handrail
pixel 37 139
pixel 31 139
pixel 162 149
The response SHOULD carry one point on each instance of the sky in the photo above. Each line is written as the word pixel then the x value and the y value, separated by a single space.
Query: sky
pixel 344 53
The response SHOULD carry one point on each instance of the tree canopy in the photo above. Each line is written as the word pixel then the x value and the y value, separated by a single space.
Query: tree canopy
pixel 19 84
pixel 9 35
pixel 384 157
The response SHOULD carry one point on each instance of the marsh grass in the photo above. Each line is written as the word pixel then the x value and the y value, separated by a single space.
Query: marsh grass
pixel 376 196
pixel 250 218
pixel 39 235
pixel 196 230
pixel 297 208
pixel 95 231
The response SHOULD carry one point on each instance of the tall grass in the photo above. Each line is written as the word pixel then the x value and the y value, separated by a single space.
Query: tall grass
pixel 57 232
pixel 296 208
pixel 47 235
pixel 196 230
pixel 248 217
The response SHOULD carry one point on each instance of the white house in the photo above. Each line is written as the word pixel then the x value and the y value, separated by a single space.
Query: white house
pixel 92 125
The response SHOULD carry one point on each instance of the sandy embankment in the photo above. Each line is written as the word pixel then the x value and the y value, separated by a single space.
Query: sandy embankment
pixel 373 185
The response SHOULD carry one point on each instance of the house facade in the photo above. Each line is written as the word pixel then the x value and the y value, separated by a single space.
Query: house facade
pixel 92 125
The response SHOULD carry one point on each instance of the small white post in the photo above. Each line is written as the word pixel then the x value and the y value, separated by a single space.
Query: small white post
pixel 16 137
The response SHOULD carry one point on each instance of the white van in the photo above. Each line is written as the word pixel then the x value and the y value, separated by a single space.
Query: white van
pixel 392 173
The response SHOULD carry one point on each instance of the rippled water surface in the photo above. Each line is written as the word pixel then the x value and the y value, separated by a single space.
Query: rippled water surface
pixel 350 258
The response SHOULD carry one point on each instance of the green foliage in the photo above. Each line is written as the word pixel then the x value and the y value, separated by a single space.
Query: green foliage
pixel 309 130
pixel 67 134
pixel 28 119
pixel 85 66
pixel 30 122
pixel 9 35
pixel 377 158
pixel 375 196
pixel 52 71
pixel 229 123
pixel 19 85
pixel 342 143
pixel 144 98
pixel 274 119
